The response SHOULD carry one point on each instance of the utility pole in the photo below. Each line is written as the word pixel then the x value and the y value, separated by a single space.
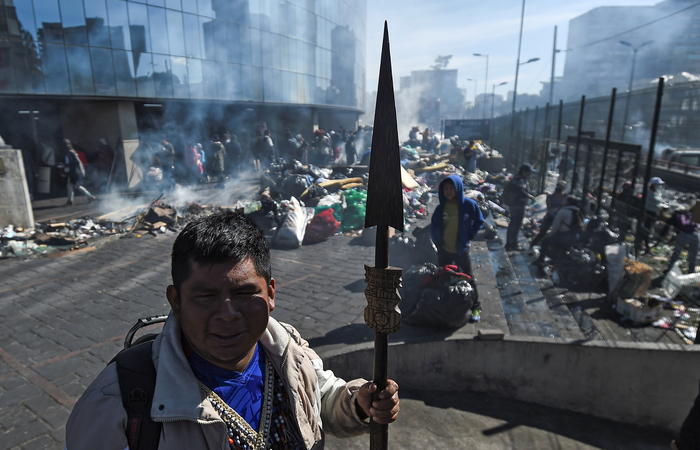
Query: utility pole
pixel 629 89
pixel 486 81
pixel 554 64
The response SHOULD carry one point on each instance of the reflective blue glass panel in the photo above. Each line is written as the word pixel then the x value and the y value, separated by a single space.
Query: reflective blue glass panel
pixel 233 43
pixel 176 33
pixel 159 32
pixel 7 74
pixel 73 19
pixel 97 23
pixel 162 76
pixel 156 2
pixel 173 4
pixel 103 71
pixel 28 67
pixel 53 60
pixel 194 76
pixel 139 29
pixel 178 69
pixel 80 70
pixel 119 24
pixel 209 78
pixel 204 8
pixel 223 84
pixel 192 45
pixel 143 67
pixel 24 25
pixel 189 6
pixel 124 72
pixel 48 20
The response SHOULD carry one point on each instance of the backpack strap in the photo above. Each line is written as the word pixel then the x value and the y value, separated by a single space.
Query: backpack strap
pixel 137 382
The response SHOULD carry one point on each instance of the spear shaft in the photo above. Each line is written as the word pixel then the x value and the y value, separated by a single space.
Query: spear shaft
pixel 384 210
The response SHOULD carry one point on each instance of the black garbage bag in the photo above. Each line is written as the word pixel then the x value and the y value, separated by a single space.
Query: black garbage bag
pixel 580 271
pixel 448 306
pixel 445 300
pixel 294 186
pixel 412 286
pixel 314 171
pixel 339 176
pixel 316 191
pixel 485 211
pixel 490 232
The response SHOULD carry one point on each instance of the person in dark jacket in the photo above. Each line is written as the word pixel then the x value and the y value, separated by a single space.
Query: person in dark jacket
pixel 517 198
pixel 218 162
pixel 455 222
pixel 686 236
pixel 689 434
pixel 233 154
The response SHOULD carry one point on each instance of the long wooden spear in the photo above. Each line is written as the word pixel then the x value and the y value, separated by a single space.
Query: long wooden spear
pixel 384 210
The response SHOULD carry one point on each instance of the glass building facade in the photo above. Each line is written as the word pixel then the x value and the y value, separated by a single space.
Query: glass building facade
pixel 295 52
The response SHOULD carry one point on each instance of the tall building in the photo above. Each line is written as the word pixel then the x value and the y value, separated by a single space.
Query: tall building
pixel 428 96
pixel 666 43
pixel 121 69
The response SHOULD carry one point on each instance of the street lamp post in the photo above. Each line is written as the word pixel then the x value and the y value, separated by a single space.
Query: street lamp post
pixel 493 100
pixel 486 80
pixel 515 90
pixel 475 84
pixel 629 89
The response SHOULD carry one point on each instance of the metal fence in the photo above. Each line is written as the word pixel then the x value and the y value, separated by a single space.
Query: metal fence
pixel 664 116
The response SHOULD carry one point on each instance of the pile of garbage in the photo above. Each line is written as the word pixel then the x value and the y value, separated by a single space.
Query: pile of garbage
pixel 48 238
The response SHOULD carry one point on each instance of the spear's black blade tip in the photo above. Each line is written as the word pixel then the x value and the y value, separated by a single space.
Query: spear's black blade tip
pixel 384 193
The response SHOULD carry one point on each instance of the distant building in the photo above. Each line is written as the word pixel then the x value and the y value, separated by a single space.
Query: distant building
pixel 428 96
pixel 596 64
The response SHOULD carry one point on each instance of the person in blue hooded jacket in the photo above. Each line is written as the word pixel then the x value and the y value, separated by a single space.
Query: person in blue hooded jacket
pixel 455 222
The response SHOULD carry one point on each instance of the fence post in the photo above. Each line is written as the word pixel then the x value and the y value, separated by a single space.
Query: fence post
pixel 545 163
pixel 574 178
pixel 605 152
pixel 534 131
pixel 650 158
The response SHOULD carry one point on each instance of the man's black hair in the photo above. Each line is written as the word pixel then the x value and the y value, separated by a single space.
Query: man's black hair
pixel 215 137
pixel 224 237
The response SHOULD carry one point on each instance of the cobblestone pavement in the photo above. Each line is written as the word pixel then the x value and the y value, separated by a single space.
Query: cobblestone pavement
pixel 63 318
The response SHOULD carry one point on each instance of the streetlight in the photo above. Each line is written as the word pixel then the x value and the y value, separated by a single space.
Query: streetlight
pixel 515 87
pixel 493 100
pixel 475 83
pixel 629 89
pixel 486 80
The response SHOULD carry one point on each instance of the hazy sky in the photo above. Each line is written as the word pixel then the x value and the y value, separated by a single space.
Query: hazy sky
pixel 419 31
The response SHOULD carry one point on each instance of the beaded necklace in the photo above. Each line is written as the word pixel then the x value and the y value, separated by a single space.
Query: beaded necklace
pixel 239 431
pixel 277 429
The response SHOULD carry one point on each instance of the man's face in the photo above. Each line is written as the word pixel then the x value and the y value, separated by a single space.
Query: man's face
pixel 526 173
pixel 223 309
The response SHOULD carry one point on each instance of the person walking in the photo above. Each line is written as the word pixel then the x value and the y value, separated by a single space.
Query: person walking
pixel 686 236
pixel 456 221
pixel 654 205
pixel 517 195
pixel 73 169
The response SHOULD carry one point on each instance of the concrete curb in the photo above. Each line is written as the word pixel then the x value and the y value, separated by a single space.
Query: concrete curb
pixel 644 384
